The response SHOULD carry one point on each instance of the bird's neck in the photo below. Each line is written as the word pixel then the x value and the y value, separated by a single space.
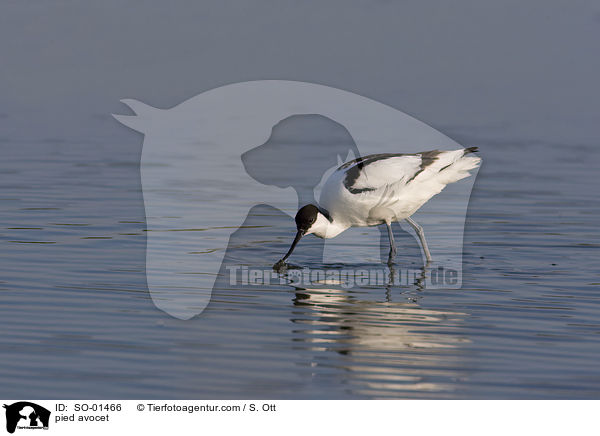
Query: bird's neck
pixel 325 227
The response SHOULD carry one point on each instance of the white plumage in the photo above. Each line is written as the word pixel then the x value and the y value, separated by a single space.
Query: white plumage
pixel 380 189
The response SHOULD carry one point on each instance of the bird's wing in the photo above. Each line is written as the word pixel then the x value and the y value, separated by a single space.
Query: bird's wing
pixel 376 171
pixel 381 171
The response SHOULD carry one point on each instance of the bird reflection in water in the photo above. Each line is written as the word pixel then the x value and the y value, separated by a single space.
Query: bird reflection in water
pixel 387 348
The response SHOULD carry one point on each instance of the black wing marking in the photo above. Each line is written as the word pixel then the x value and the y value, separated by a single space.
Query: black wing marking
pixel 356 166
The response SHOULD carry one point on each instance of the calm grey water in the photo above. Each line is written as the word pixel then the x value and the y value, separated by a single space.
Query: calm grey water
pixel 78 322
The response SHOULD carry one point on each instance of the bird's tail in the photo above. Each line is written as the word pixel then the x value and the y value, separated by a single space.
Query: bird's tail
pixel 459 169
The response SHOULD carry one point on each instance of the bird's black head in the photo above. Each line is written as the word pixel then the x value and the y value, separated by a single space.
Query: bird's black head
pixel 306 217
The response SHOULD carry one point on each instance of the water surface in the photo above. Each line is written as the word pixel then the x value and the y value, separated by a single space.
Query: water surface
pixel 78 321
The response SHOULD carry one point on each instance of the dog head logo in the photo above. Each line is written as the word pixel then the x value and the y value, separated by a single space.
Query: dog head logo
pixel 24 414
pixel 208 161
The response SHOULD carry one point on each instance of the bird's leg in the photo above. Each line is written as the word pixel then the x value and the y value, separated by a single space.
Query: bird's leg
pixel 392 243
pixel 419 230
